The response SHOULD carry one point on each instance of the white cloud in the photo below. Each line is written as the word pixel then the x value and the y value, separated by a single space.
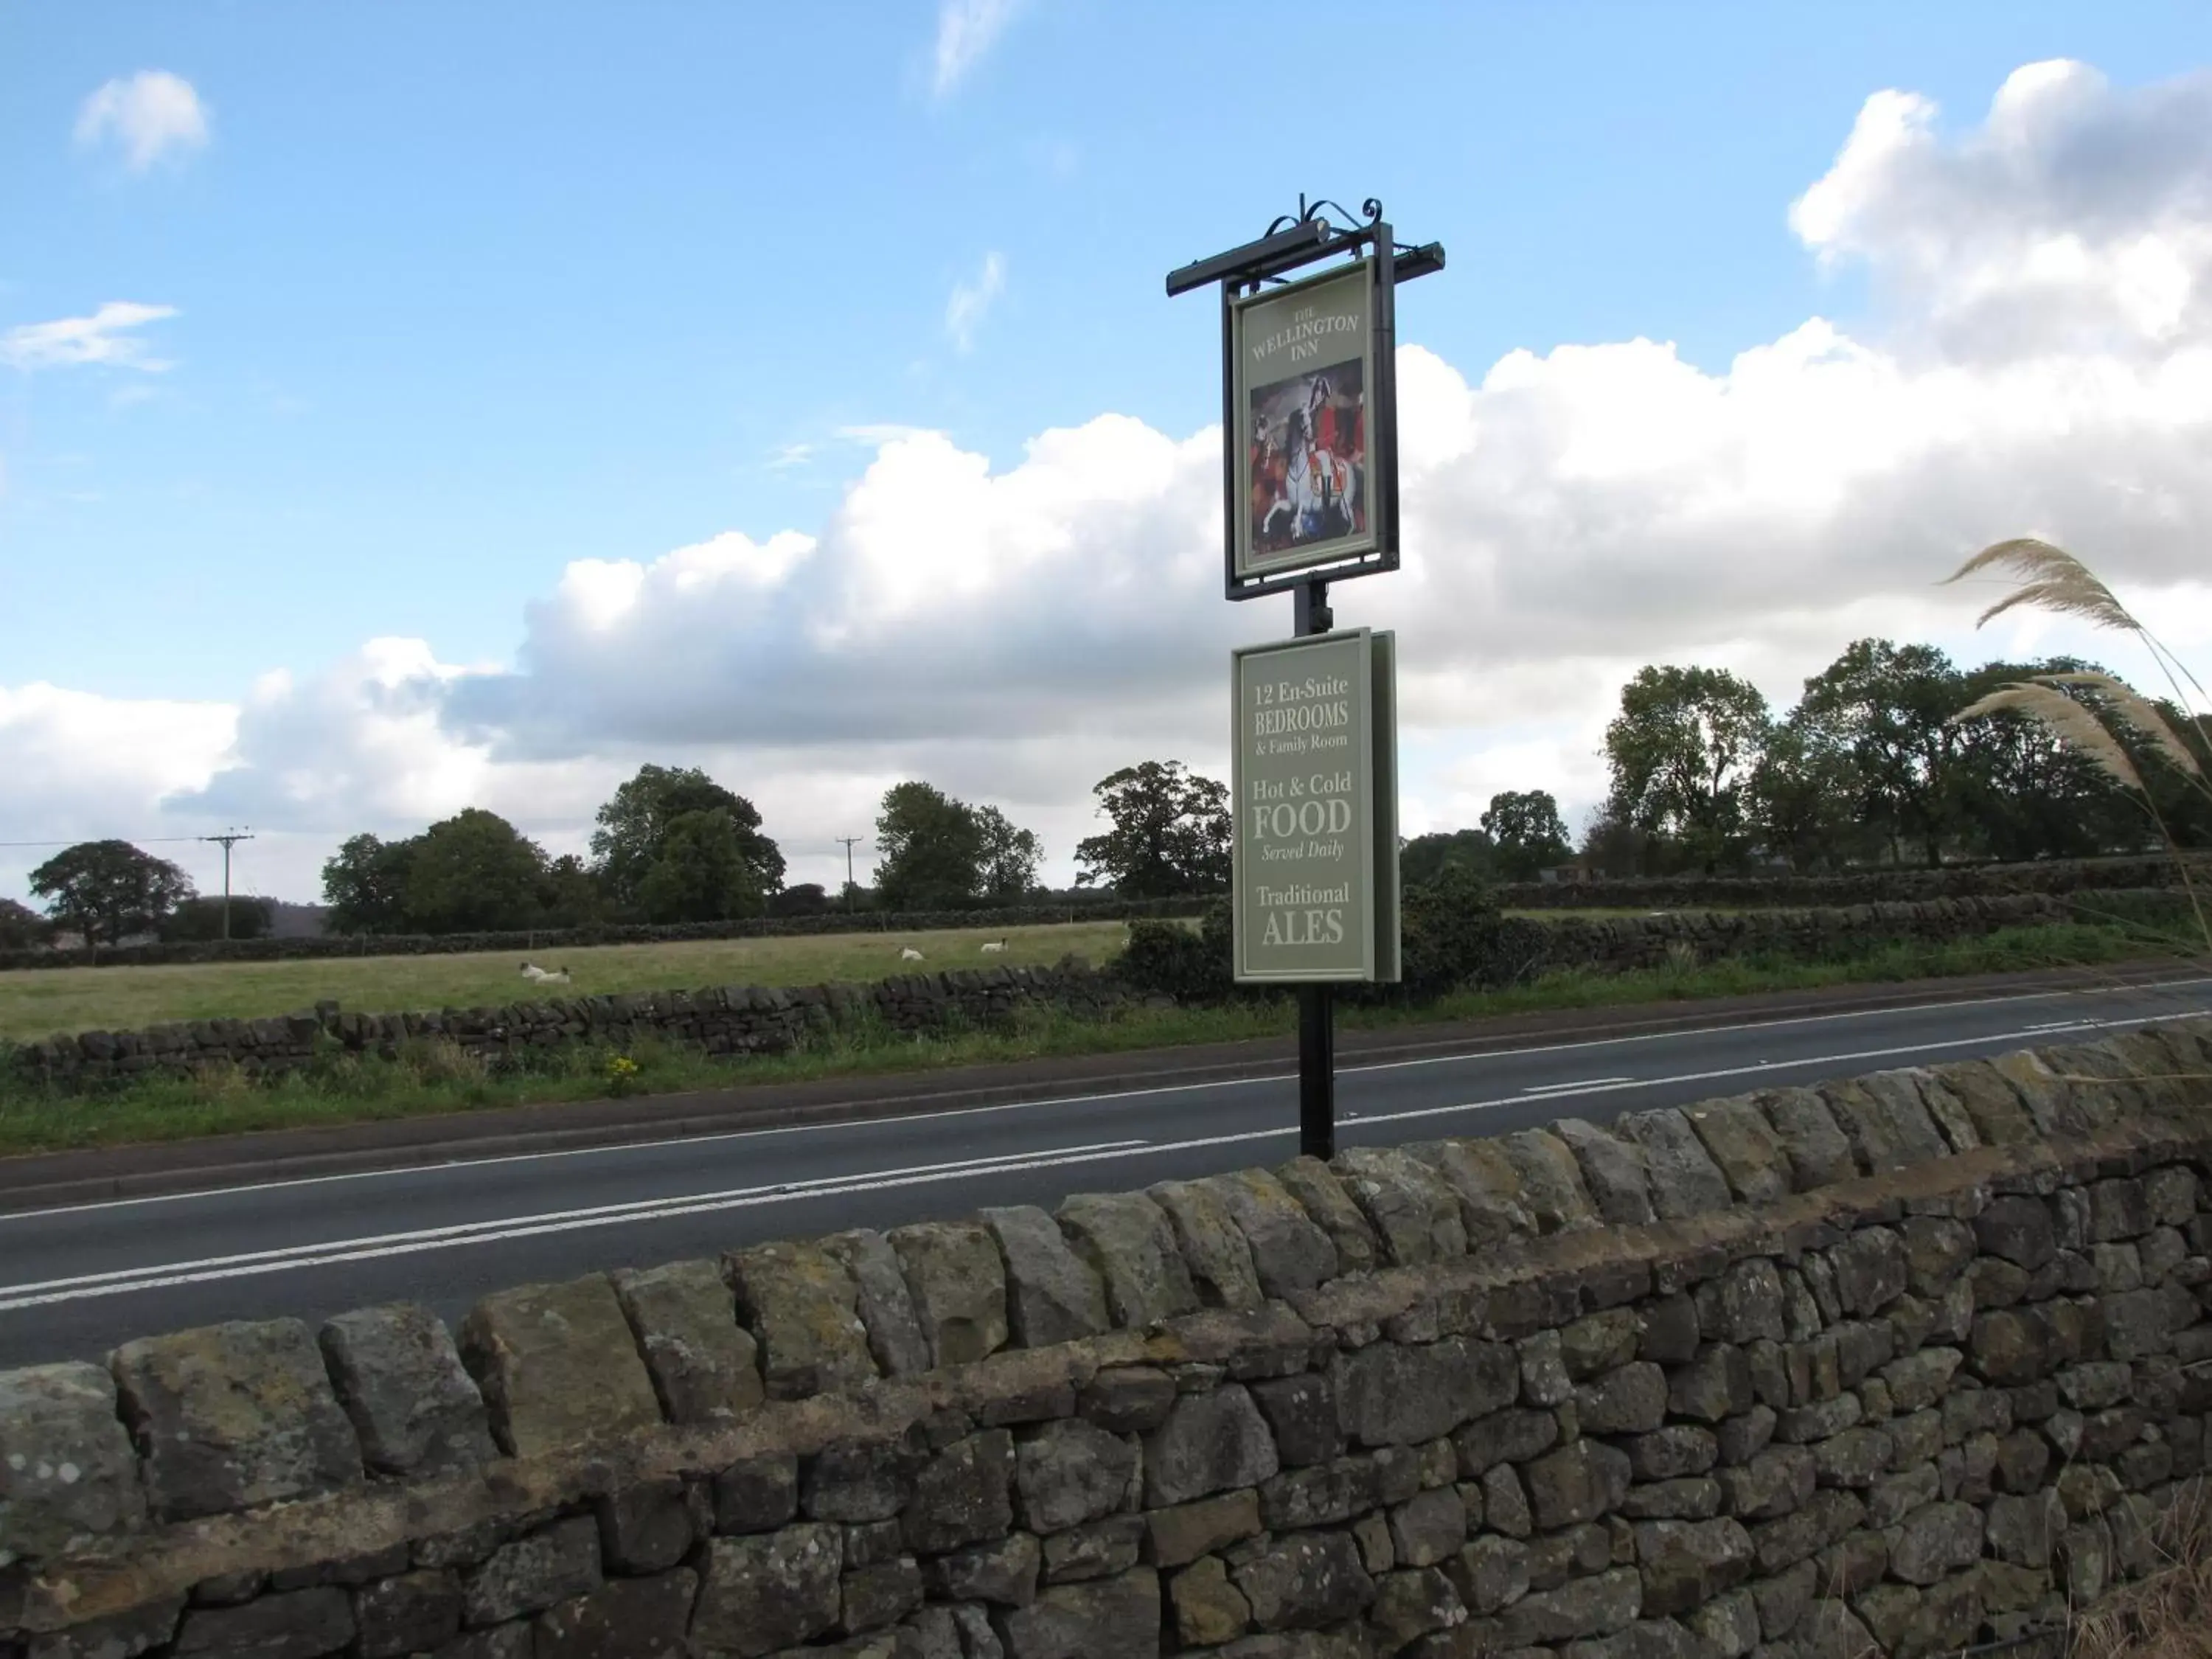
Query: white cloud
pixel 1015 634
pixel 972 299
pixel 966 30
pixel 147 116
pixel 106 338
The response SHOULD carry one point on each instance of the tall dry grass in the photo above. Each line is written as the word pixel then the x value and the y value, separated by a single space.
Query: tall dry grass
pixel 2166 1614
pixel 2090 712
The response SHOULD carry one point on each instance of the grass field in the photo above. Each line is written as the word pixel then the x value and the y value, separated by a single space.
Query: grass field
pixel 435 1077
pixel 36 1002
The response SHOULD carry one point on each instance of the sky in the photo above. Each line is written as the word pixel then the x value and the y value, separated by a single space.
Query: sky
pixel 415 407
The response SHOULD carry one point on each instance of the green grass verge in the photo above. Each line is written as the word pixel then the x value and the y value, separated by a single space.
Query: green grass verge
pixel 436 1078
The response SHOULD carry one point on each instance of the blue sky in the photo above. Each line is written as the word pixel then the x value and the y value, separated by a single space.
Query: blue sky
pixel 465 294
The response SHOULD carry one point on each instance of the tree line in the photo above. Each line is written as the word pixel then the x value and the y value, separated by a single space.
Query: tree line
pixel 672 845
pixel 1873 765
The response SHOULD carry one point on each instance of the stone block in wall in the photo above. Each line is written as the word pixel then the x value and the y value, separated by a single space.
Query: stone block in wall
pixel 1613 1171
pixel 1289 1252
pixel 1209 1443
pixel 408 1613
pixel 2049 1100
pixel 1685 1180
pixel 1208 1609
pixel 1551 1181
pixel 1413 1211
pixel 623 1619
pixel 1117 1617
pixel 298 1624
pixel 1685 1563
pixel 1744 1147
pixel 1600 1605
pixel 1003 1573
pixel 67 1470
pixel 962 1494
pixel 801 1306
pixel 958 1285
pixel 1884 1119
pixel 1052 1295
pixel 533 1572
pixel 1321 1196
pixel 1393 1394
pixel 703 1365
pixel 884 1302
pixel 1130 1244
pixel 401 1381
pixel 1819 1151
pixel 1990 1101
pixel 1070 1471
pixel 558 1366
pixel 229 1416
pixel 1213 1246
pixel 1491 1208
pixel 1581 1481
pixel 759 1595
pixel 1181 1533
pixel 1305 1581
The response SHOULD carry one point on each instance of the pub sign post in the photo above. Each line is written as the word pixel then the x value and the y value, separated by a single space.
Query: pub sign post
pixel 1309 496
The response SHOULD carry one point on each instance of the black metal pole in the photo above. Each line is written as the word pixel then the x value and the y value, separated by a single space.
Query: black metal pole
pixel 1317 1003
pixel 1317 1071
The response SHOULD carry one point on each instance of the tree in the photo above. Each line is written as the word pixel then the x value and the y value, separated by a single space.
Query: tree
pixel 365 884
pixel 570 894
pixel 1879 716
pixel 634 826
pixel 1424 857
pixel 1170 836
pixel 105 889
pixel 2025 792
pixel 1682 748
pixel 808 898
pixel 702 872
pixel 196 918
pixel 1524 827
pixel 932 848
pixel 1010 857
pixel 21 928
pixel 473 872
pixel 1802 801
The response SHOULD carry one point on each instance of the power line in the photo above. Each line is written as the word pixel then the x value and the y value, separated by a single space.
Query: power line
pixel 136 840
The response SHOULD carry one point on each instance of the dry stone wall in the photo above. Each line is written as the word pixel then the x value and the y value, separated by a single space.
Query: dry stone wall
pixel 738 1019
pixel 1895 1365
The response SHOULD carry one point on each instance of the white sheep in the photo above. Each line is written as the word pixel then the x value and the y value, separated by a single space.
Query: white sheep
pixel 991 947
pixel 908 953
pixel 558 977
pixel 533 973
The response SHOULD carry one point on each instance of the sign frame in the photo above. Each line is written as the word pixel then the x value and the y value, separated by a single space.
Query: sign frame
pixel 1245 574
pixel 1374 795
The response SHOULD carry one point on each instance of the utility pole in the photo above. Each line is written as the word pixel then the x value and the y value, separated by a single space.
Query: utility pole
pixel 229 838
pixel 846 842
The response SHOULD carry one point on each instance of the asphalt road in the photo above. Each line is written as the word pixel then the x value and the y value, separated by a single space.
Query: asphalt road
pixel 75 1282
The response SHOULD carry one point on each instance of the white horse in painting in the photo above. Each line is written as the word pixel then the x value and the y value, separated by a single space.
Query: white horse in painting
pixel 1316 487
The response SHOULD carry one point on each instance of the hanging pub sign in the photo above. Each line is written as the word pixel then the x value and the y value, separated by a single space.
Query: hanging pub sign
pixel 1314 777
pixel 1310 419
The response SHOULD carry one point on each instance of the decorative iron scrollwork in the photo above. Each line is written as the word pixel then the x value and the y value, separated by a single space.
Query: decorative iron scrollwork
pixel 1320 208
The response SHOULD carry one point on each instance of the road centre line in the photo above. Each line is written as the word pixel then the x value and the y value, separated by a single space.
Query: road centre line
pixel 460 1232
pixel 1049 1101
pixel 1572 1088
pixel 168 1276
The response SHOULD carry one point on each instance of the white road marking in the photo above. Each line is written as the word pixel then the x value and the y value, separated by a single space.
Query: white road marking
pixel 1049 1101
pixel 170 1275
pixel 1572 1088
